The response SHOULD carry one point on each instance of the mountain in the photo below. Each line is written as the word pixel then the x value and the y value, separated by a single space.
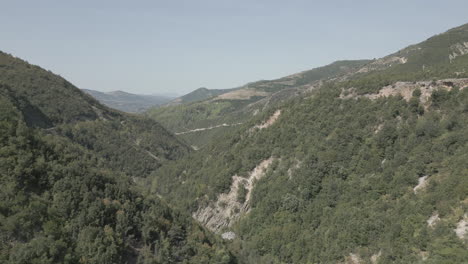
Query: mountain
pixel 127 102
pixel 68 167
pixel 197 122
pixel 133 144
pixel 368 166
pixel 198 95
pixel 354 162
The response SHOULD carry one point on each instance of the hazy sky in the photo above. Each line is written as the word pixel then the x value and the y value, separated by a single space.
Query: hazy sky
pixel 177 46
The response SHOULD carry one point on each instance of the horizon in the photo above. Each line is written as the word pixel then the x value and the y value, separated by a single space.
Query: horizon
pixel 178 47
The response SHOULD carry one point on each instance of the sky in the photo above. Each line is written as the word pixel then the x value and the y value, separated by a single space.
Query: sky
pixel 176 46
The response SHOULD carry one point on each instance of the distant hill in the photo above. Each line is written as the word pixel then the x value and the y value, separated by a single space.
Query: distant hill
pixel 128 102
pixel 198 95
pixel 204 114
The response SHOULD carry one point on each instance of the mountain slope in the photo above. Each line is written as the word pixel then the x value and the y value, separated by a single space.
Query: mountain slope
pixel 59 204
pixel 369 167
pixel 199 94
pixel 129 143
pixel 127 102
pixel 238 105
pixel 68 167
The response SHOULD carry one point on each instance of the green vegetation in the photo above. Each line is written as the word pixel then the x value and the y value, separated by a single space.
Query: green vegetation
pixel 352 191
pixel 60 205
pixel 428 60
pixel 200 110
pixel 199 95
pixel 82 183
pixel 128 143
pixel 345 171
pixel 55 97
pixel 329 71
pixel 181 118
pixel 67 172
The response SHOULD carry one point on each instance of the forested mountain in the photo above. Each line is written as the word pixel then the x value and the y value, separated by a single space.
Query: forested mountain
pixel 130 143
pixel 199 121
pixel 199 94
pixel 367 167
pixel 67 171
pixel 127 102
pixel 354 162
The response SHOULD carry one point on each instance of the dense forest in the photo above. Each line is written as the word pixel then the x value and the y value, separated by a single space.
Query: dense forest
pixel 127 142
pixel 347 160
pixel 355 165
pixel 354 162
pixel 67 172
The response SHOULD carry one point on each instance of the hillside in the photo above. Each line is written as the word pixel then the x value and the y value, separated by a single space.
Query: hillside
pixel 434 58
pixel 127 102
pixel 59 204
pixel 67 172
pixel 367 167
pixel 191 120
pixel 129 143
pixel 199 94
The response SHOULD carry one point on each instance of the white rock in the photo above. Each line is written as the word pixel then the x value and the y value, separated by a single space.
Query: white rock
pixel 432 221
pixel 228 235
pixel 422 183
pixel 462 227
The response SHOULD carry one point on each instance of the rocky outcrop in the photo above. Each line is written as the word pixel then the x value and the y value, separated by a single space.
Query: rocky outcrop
pixel 462 227
pixel 228 208
pixel 270 120
pixel 422 184
pixel 353 258
pixel 406 89
pixel 458 49
pixel 383 63
pixel 375 258
pixel 433 220
pixel 228 235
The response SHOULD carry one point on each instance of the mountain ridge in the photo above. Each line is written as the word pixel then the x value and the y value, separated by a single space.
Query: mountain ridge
pixel 128 102
pixel 238 105
pixel 344 161
pixel 64 109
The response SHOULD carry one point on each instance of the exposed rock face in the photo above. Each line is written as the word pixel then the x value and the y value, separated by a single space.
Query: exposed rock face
pixel 406 89
pixel 432 221
pixel 375 258
pixel 458 49
pixel 462 227
pixel 424 255
pixel 270 120
pixel 422 183
pixel 353 259
pixel 228 208
pixel 228 235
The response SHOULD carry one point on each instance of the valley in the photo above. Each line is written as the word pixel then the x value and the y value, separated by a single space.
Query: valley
pixel 358 161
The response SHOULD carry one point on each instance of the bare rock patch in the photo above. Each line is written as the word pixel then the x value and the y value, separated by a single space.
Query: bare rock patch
pixel 422 184
pixel 270 120
pixel 227 209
